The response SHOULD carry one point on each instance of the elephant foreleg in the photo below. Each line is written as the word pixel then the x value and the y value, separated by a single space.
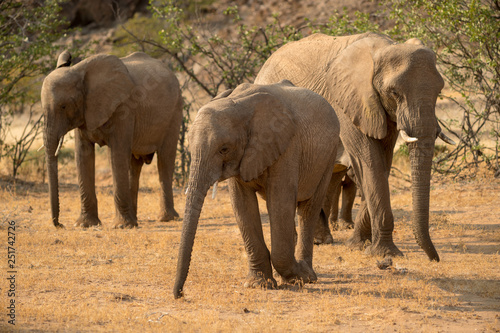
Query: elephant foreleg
pixel 371 162
pixel 246 211
pixel 362 228
pixel 375 213
pixel 85 166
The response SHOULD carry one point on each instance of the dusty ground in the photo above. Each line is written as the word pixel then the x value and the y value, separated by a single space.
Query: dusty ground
pixel 121 280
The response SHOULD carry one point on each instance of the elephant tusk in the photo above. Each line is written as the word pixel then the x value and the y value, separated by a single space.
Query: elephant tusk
pixel 446 139
pixel 41 147
pixel 59 146
pixel 187 190
pixel 214 191
pixel 406 137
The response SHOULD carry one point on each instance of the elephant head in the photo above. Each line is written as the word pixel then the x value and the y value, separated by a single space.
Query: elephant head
pixel 81 96
pixel 397 84
pixel 239 133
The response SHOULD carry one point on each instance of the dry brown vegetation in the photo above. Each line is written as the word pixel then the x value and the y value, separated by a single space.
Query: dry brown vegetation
pixel 121 280
pixel 104 279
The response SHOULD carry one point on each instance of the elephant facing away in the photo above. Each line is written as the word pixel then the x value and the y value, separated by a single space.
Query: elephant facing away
pixel 377 88
pixel 134 106
pixel 276 140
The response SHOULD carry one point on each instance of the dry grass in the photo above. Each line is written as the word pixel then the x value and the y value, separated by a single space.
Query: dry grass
pixel 121 280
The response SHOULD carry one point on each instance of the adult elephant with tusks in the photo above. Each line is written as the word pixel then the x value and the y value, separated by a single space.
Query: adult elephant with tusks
pixel 276 140
pixel 134 106
pixel 378 88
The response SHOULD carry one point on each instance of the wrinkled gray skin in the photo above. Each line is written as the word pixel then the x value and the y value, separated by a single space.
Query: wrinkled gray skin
pixel 134 106
pixel 341 220
pixel 377 88
pixel 279 141
pixel 338 220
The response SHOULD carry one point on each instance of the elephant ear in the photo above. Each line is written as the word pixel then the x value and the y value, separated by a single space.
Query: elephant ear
pixel 353 73
pixel 271 128
pixel 415 41
pixel 64 59
pixel 107 85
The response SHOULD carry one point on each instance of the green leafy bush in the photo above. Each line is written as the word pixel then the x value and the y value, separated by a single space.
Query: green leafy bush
pixel 466 37
pixel 29 32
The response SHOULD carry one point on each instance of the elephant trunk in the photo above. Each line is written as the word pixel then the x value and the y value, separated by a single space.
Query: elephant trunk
pixel 52 145
pixel 197 190
pixel 53 188
pixel 421 162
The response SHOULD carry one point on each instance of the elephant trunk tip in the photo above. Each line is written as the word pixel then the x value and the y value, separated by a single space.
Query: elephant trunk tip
pixel 432 254
pixel 428 248
pixel 178 292
pixel 58 225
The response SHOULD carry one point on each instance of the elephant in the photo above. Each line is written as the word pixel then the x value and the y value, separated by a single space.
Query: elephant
pixel 278 141
pixel 377 88
pixel 134 106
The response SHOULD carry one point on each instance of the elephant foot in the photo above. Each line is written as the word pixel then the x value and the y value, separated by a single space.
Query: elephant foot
pixel 322 234
pixel 323 238
pixel 384 250
pixel 301 273
pixel 258 280
pixel 342 224
pixel 358 241
pixel 88 221
pixel 122 223
pixel 168 216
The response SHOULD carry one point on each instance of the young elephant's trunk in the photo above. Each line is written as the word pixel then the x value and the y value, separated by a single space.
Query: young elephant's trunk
pixel 53 187
pixel 52 146
pixel 197 190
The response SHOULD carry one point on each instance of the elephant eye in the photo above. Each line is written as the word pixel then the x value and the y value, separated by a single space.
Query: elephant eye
pixel 224 150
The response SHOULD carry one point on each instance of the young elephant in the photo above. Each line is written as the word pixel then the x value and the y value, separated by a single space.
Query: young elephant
pixel 134 106
pixel 276 140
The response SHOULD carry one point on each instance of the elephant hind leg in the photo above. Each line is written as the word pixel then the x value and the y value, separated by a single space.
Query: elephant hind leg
pixel 134 175
pixel 330 210
pixel 349 189
pixel 308 212
pixel 281 201
pixel 166 165
pixel 322 234
pixel 311 217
